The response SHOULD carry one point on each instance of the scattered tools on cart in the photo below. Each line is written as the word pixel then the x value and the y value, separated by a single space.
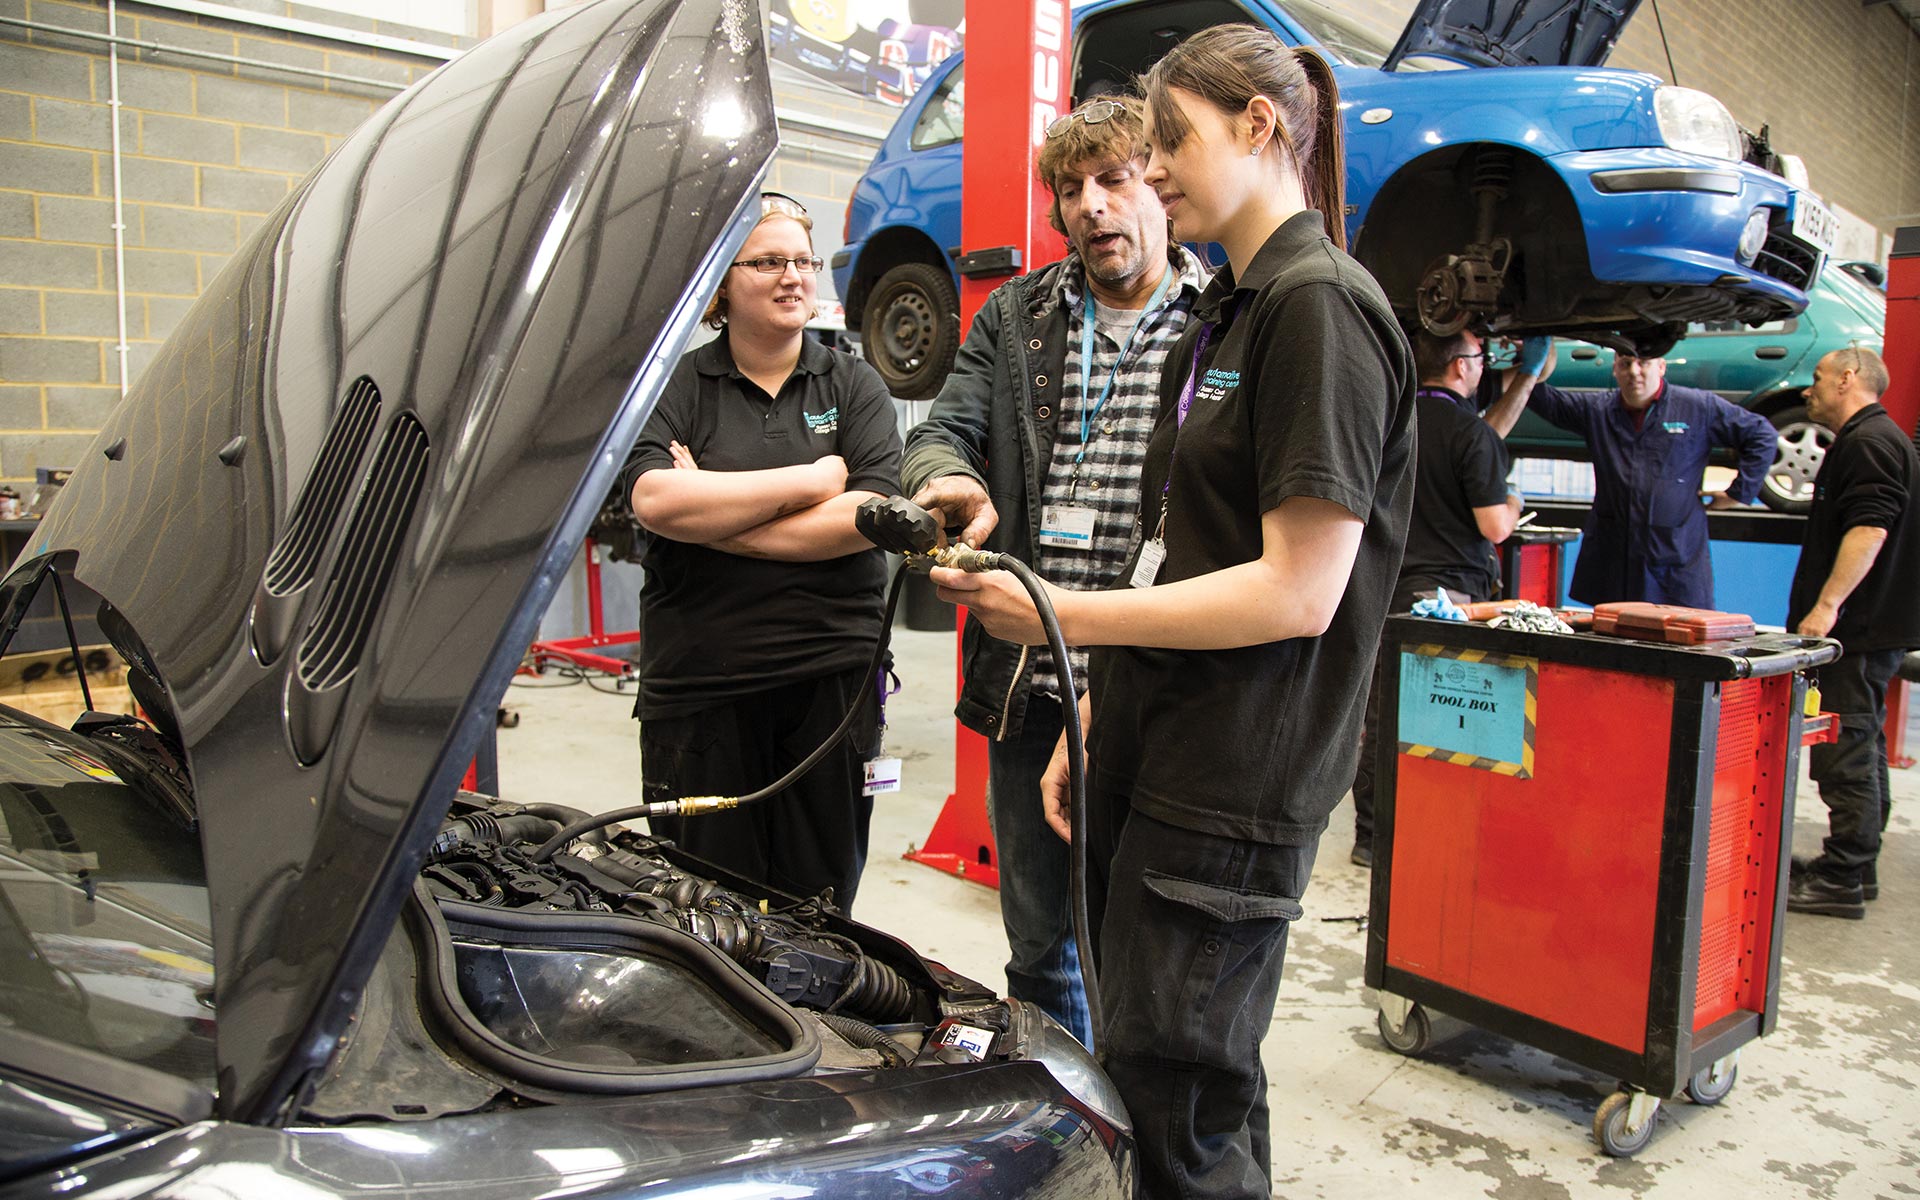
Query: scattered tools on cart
pixel 1582 840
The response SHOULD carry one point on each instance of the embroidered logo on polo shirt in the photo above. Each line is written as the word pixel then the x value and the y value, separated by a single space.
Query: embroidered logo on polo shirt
pixel 826 422
pixel 1216 383
pixel 1674 426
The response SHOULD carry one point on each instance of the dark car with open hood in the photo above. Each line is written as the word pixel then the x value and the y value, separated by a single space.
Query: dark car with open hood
pixel 259 942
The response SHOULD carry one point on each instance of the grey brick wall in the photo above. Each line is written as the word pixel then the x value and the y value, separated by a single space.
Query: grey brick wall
pixel 208 148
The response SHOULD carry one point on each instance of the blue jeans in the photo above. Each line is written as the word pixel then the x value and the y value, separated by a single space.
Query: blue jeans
pixel 1043 967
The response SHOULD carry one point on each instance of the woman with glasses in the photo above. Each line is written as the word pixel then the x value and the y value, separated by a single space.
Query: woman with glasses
pixel 762 604
pixel 1230 667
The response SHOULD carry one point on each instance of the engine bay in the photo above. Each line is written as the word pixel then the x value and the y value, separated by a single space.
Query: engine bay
pixel 621 966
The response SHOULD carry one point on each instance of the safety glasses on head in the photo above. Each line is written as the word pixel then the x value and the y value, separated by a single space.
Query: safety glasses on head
pixel 1093 112
pixel 780 204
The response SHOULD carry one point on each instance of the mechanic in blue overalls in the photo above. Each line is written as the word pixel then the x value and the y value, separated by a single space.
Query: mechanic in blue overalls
pixel 1646 538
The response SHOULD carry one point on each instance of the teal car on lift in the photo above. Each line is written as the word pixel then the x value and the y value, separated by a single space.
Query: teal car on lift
pixel 1764 368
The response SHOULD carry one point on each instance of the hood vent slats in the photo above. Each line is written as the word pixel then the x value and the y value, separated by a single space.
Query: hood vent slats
pixel 294 559
pixel 331 646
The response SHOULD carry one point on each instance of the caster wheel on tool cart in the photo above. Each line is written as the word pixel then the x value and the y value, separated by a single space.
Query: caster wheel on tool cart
pixel 1704 1089
pixel 1610 1127
pixel 1414 1036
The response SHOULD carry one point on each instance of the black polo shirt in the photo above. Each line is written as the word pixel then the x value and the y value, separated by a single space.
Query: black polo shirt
pixel 717 626
pixel 1305 389
pixel 1870 476
pixel 1461 465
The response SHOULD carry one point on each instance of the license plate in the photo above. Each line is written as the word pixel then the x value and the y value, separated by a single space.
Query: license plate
pixel 1814 222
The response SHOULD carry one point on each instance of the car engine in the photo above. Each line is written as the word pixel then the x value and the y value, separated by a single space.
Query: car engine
pixel 621 966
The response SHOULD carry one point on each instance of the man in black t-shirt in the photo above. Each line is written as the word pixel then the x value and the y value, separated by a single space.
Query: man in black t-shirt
pixel 1857 580
pixel 1461 505
pixel 1461 508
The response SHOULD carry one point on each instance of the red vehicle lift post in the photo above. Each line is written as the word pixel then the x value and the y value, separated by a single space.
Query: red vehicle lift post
pixel 1902 403
pixel 1020 69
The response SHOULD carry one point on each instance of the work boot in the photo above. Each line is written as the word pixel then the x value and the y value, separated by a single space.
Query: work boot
pixel 1816 895
pixel 1869 876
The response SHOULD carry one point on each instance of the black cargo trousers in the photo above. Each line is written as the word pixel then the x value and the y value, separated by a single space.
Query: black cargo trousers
pixel 1190 931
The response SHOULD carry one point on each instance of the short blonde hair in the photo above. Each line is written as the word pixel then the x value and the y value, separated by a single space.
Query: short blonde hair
pixel 1120 138
pixel 772 205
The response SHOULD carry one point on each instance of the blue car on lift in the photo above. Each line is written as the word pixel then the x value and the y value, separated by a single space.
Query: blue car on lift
pixel 1553 196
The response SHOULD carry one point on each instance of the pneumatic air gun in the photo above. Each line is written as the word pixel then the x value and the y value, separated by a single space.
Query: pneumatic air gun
pixel 899 526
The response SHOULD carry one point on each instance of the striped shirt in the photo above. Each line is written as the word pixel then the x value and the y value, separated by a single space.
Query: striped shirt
pixel 1106 478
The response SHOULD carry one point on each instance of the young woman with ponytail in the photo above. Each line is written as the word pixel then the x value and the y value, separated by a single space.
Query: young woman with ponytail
pixel 1228 681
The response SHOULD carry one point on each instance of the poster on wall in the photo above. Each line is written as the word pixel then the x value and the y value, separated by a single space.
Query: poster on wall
pixel 878 48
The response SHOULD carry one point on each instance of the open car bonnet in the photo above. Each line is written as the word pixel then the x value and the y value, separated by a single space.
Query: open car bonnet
pixel 330 514
pixel 1513 33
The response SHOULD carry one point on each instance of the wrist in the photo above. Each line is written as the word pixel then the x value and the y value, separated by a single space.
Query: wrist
pixel 1067 610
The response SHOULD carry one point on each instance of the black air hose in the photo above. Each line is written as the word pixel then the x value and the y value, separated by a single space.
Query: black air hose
pixel 867 1037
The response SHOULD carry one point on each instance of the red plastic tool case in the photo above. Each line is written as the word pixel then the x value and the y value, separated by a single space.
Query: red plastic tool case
pixel 1670 623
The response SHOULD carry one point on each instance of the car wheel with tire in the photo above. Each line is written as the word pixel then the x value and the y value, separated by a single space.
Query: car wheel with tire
pixel 1788 486
pixel 912 329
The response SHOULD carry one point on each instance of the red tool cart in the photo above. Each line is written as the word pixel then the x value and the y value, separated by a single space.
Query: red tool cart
pixel 1530 561
pixel 1582 842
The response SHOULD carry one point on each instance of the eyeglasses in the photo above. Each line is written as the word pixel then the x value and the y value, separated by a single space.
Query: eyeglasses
pixel 1093 113
pixel 1480 353
pixel 781 203
pixel 776 264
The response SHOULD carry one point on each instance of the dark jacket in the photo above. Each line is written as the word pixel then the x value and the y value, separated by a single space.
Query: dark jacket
pixel 994 420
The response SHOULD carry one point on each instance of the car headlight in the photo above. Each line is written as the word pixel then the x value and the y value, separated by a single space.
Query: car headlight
pixel 1697 123
pixel 1073 1068
pixel 1753 236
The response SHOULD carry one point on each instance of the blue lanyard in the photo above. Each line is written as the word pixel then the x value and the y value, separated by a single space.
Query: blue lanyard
pixel 1089 412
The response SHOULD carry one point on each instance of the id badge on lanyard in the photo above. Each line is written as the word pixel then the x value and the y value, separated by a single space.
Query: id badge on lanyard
pixel 1067 526
pixel 1153 551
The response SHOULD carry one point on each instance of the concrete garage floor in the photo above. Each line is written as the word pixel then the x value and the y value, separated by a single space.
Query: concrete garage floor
pixel 1827 1106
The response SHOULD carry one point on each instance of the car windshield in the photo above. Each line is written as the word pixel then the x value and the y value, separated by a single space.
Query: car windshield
pixel 1353 43
pixel 1869 301
pixel 103 909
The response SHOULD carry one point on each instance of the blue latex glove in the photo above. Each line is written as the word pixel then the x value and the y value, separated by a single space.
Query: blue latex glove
pixel 1533 354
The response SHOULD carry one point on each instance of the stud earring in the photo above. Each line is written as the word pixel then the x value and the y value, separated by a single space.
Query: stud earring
pixel 1253 152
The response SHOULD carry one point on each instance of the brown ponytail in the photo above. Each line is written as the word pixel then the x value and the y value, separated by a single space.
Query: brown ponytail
pixel 1227 66
pixel 1325 176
